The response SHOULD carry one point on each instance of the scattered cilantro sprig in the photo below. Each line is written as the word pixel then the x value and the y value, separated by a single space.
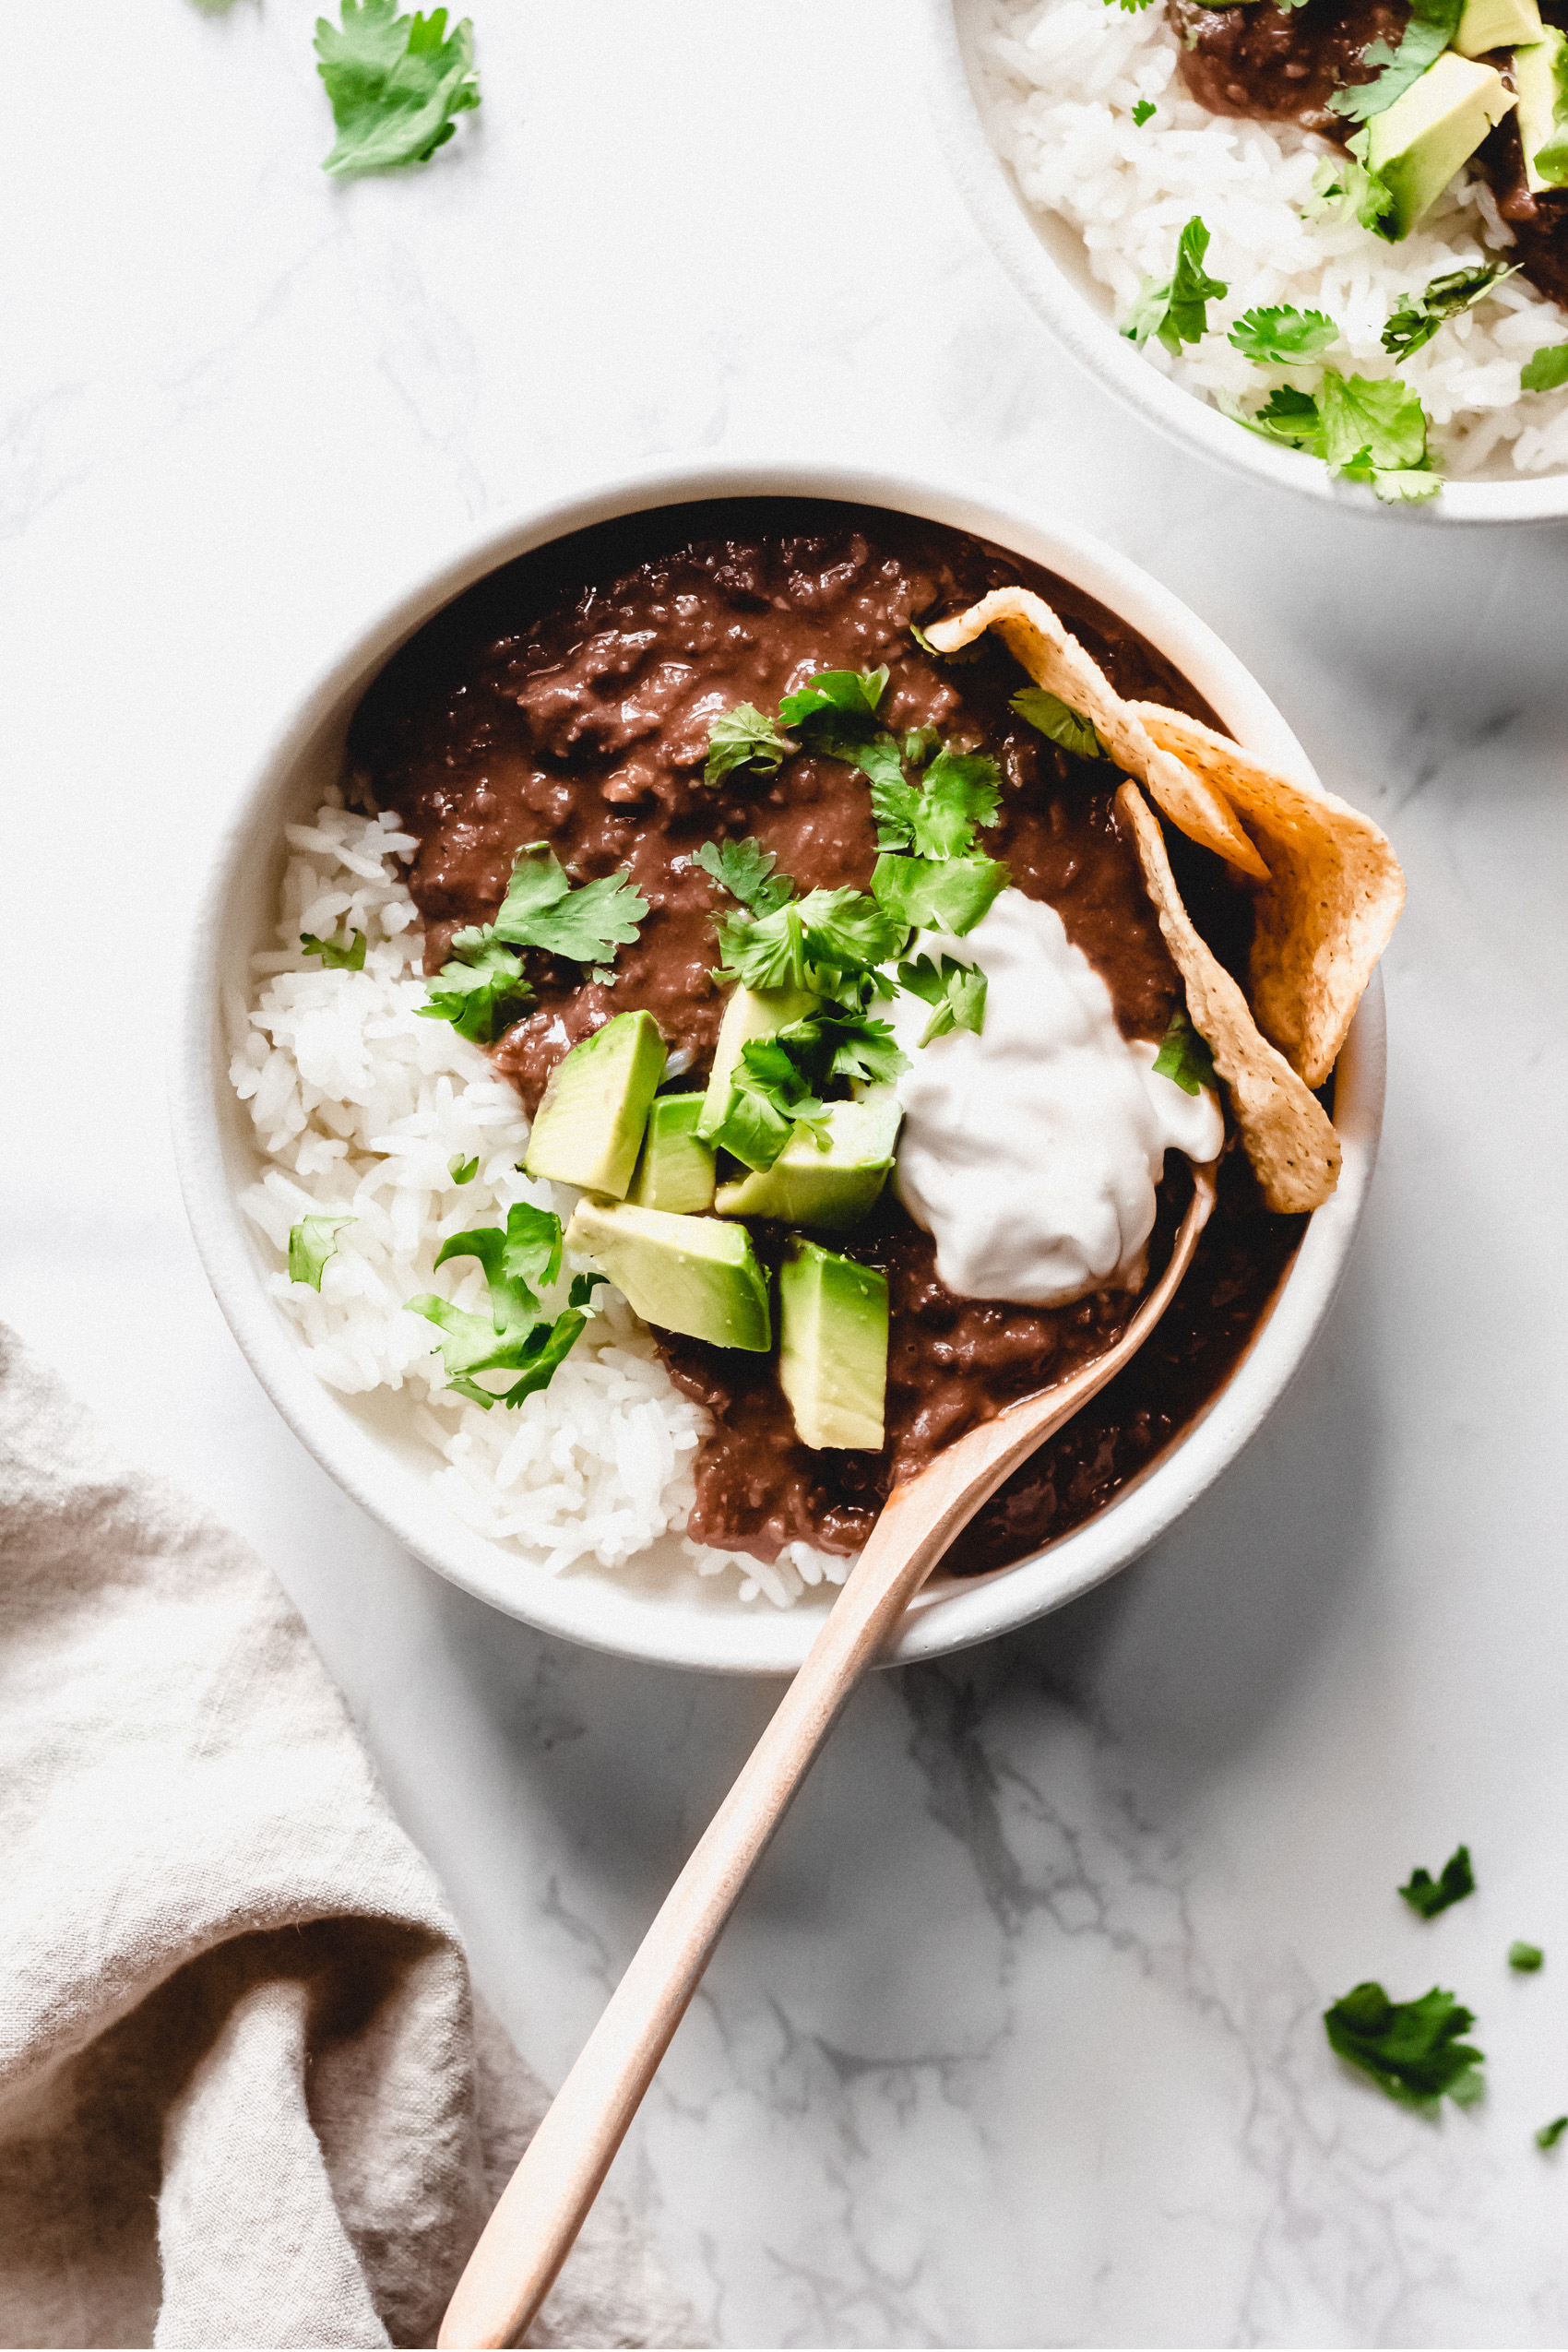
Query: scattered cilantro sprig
pixel 744 736
pixel 520 1260
pixel 337 954
pixel 1417 318
pixel 1057 719
pixel 954 992
pixel 1144 112
pixel 1431 27
pixel 1411 2049
pixel 1430 1895
pixel 1545 369
pixel 1549 2134
pixel 1283 337
pixel 1184 1056
pixel 311 1243
pixel 746 870
pixel 481 989
pixel 461 1171
pixel 938 817
pixel 1370 429
pixel 394 84
pixel 1175 308
pixel 1525 1958
pixel 818 942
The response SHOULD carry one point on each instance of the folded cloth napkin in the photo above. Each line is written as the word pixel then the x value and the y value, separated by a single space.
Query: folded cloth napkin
pixel 241 2101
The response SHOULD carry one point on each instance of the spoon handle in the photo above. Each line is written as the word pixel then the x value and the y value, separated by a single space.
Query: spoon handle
pixel 531 2230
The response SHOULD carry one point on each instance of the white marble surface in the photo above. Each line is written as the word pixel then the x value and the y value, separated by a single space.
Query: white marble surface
pixel 1015 2040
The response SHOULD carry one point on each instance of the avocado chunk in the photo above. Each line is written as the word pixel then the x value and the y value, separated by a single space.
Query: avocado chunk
pixel 693 1273
pixel 829 1187
pixel 728 1118
pixel 1495 24
pixel 589 1128
pixel 675 1171
pixel 1540 77
pixel 1417 145
pixel 833 1347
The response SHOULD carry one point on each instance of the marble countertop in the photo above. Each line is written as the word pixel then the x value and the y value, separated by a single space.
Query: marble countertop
pixel 1016 2038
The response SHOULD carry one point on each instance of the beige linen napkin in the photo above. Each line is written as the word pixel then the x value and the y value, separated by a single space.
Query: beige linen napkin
pixel 240 2102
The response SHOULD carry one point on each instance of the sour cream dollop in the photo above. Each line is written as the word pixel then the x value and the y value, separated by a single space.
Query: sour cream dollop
pixel 1031 1152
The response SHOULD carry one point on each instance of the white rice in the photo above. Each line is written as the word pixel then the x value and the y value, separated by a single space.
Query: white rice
pixel 360 1106
pixel 1063 78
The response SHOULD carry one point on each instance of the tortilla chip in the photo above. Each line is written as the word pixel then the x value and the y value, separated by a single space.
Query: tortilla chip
pixel 1054 659
pixel 1289 1137
pixel 1329 906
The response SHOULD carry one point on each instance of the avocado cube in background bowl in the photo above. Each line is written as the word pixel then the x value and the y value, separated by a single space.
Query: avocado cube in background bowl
pixel 698 1274
pixel 589 1127
pixel 828 1184
pixel 833 1347
pixel 676 1169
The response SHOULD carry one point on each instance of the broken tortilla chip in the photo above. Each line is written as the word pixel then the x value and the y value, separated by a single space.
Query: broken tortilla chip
pixel 1055 660
pixel 1289 1137
pixel 1328 907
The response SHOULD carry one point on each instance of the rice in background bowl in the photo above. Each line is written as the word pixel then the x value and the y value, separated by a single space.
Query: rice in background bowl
pixel 654 1606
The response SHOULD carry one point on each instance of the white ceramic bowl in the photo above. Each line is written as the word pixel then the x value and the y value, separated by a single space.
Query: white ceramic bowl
pixel 1045 259
pixel 665 1613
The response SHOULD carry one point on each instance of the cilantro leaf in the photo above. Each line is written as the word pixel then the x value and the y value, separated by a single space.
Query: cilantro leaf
pixel 943 894
pixel 1185 1055
pixel 1431 25
pixel 960 657
pixel 336 955
pixel 1290 417
pixel 1545 369
pixel 938 817
pixel 1430 1895
pixel 1370 424
pixel 1347 184
pixel 481 989
pixel 1411 2048
pixel 1060 721
pixel 1525 1957
pixel 461 1171
pixel 956 992
pixel 519 1260
pixel 311 1243
pixel 1144 112
pixel 1549 2134
pixel 585 921
pixel 1417 317
pixel 1283 337
pixel 920 744
pixel 781 1081
pixel 857 692
pixel 1406 485
pixel 1175 308
pixel 394 82
pixel 812 943
pixel 744 736
pixel 746 869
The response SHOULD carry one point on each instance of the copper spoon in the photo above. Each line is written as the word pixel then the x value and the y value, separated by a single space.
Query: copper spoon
pixel 546 2202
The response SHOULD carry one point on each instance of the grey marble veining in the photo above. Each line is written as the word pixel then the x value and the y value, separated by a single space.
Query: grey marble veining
pixel 1016 2038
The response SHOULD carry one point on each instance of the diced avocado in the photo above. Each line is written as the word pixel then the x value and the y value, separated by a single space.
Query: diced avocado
pixel 693 1274
pixel 1540 77
pixel 1495 24
pixel 589 1128
pixel 1417 145
pixel 675 1170
pixel 831 1188
pixel 833 1347
pixel 751 1013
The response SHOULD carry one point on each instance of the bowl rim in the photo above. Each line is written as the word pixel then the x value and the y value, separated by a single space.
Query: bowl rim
pixel 592 1608
pixel 997 207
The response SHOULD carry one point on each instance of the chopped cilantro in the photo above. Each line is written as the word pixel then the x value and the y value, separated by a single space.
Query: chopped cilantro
pixel 1185 1055
pixel 1419 317
pixel 1056 718
pixel 746 869
pixel 946 894
pixel 1174 308
pixel 744 736
pixel 311 1243
pixel 1370 429
pixel 1144 112
pixel 585 921
pixel 1292 417
pixel 954 992
pixel 960 655
pixel 814 941
pixel 1549 2134
pixel 937 818
pixel 1431 27
pixel 1545 369
pixel 461 1171
pixel 858 692
pixel 519 1260
pixel 1430 1895
pixel 1411 2048
pixel 781 1081
pixel 918 745
pixel 1525 1957
pixel 336 955
pixel 1347 184
pixel 481 989
pixel 394 82
pixel 1283 337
